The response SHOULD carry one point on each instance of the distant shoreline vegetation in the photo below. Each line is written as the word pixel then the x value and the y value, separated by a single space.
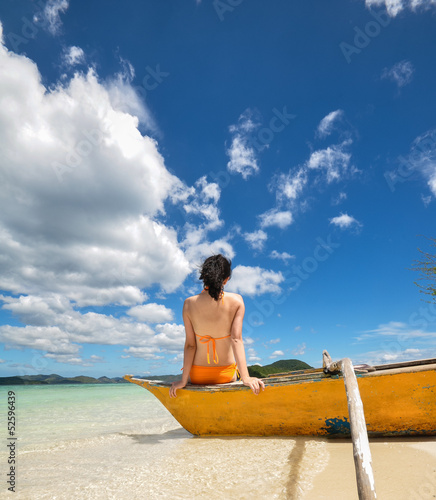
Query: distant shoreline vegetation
pixel 284 365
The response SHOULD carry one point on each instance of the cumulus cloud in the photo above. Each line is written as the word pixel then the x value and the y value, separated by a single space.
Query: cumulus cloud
pixel 73 56
pixel 326 125
pixel 401 73
pixel 254 281
pixel 285 256
pixel 63 342
pixel 394 7
pixel 151 313
pixel 324 166
pixel 243 156
pixel 252 356
pixel 274 217
pixel 276 354
pixel 334 160
pixel 81 194
pixel 83 217
pixel 290 186
pixel 344 221
pixel 256 239
pixel 197 246
pixel 202 201
pixel 49 17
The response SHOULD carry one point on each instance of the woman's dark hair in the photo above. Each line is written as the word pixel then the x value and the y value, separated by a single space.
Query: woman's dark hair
pixel 213 272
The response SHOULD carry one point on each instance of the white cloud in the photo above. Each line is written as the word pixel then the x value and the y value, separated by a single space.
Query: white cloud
pixel 50 16
pixel 400 73
pixel 82 192
pixel 254 281
pixel 323 167
pixel 290 186
pixel 73 56
pixel 202 201
pixel 394 7
pixel 339 199
pixel 144 352
pixel 256 239
pixel 396 329
pixel 274 217
pixel 82 216
pixel 151 313
pixel 252 356
pixel 300 350
pixel 335 160
pixel 325 126
pixel 285 256
pixel 197 247
pixel 344 221
pixel 63 341
pixel 276 354
pixel 123 97
pixel 395 356
pixel 422 159
pixel 243 156
pixel 274 341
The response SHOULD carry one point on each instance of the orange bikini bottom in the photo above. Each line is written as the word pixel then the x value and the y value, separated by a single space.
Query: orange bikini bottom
pixel 203 375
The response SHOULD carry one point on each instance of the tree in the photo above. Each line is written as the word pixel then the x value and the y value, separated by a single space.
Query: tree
pixel 426 267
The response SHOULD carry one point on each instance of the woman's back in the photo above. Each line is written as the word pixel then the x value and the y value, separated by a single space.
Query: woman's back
pixel 213 318
pixel 214 350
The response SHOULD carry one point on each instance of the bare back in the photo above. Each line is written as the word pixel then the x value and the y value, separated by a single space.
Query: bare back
pixel 216 319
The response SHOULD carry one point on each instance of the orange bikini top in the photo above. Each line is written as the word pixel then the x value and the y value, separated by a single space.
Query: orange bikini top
pixel 207 339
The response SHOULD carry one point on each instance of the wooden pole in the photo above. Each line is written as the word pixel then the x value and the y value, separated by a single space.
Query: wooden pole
pixel 359 434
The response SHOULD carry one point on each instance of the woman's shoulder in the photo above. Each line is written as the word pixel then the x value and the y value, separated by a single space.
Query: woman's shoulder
pixel 191 299
pixel 235 297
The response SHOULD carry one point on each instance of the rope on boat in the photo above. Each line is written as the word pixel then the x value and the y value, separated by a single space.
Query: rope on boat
pixel 359 434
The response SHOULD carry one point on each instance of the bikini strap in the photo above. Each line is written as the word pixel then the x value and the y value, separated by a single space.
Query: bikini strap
pixel 207 339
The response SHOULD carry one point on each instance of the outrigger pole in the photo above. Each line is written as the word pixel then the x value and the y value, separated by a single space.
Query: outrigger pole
pixel 359 434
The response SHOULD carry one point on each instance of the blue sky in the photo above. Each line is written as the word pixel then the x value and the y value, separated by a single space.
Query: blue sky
pixel 297 138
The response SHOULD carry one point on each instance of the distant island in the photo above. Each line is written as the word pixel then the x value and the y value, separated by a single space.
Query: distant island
pixel 284 365
pixel 54 379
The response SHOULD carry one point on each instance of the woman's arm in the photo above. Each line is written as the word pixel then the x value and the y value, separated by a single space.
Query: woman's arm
pixel 239 352
pixel 188 353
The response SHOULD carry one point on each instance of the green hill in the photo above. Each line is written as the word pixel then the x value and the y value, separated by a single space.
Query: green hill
pixel 281 366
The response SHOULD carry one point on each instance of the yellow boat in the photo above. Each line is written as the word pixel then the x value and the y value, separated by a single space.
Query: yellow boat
pixel 399 399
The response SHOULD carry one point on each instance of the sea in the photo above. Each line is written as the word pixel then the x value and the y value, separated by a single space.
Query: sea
pixel 117 441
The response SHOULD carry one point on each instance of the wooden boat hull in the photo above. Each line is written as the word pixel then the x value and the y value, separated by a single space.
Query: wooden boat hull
pixel 396 403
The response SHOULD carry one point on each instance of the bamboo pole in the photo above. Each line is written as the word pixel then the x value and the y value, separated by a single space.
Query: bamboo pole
pixel 359 434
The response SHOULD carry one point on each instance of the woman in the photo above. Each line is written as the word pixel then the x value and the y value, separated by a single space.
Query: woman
pixel 213 324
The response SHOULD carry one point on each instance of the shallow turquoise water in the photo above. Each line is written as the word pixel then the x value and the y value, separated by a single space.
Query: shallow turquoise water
pixel 118 442
pixel 49 414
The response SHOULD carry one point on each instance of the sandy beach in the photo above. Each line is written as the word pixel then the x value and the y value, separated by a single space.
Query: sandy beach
pixel 403 469
pixel 118 442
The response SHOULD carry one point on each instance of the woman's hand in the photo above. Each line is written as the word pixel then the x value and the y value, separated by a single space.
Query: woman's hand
pixel 254 384
pixel 176 385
